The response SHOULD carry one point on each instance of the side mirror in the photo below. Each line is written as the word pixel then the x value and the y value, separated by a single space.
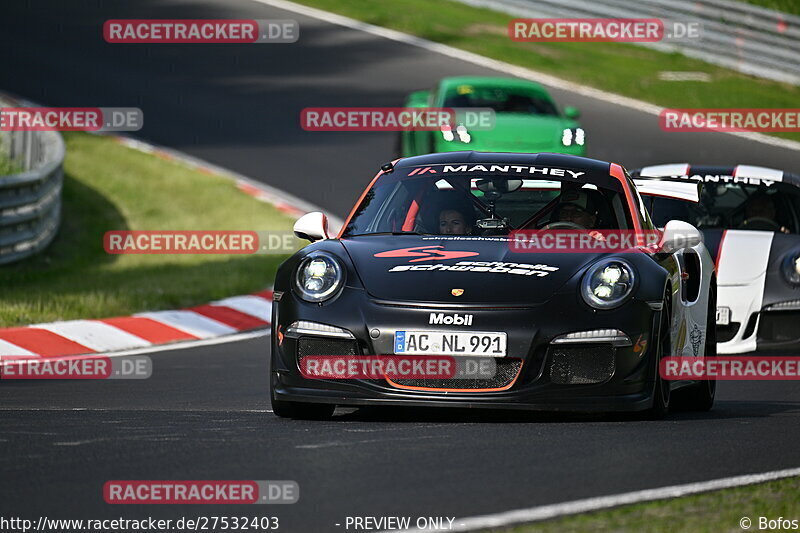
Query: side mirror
pixel 312 226
pixel 679 235
pixel 572 112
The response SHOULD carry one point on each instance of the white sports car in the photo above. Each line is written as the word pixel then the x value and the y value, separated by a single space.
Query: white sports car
pixel 750 220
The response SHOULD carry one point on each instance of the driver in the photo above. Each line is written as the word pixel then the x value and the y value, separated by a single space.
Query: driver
pixel 578 207
pixel 453 222
pixel 761 207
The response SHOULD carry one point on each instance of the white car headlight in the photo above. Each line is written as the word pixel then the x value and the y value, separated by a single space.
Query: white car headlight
pixel 608 283
pixel 791 268
pixel 319 276
pixel 461 134
pixel 572 136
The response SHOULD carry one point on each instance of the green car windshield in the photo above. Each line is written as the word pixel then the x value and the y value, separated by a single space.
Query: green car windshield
pixel 502 100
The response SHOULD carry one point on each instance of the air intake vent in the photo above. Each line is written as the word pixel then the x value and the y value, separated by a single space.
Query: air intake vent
pixel 323 346
pixel 581 365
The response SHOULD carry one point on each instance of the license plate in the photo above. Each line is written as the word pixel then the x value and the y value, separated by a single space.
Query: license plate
pixel 723 316
pixel 450 343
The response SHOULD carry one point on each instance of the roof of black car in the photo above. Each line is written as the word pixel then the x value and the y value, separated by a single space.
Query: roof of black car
pixel 499 158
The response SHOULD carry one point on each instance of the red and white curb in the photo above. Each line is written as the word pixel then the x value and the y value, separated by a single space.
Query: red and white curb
pixel 222 320
pixel 85 337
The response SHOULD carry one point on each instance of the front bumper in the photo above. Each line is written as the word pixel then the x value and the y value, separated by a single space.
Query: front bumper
pixel 756 326
pixel 540 383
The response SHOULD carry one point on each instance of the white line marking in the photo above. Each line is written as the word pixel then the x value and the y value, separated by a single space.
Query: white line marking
pixel 337 443
pixel 503 67
pixel 190 322
pixel 547 512
pixel 184 345
pixel 250 305
pixel 98 336
pixel 6 348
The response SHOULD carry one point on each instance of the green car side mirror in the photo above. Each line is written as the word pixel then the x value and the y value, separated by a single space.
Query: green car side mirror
pixel 572 112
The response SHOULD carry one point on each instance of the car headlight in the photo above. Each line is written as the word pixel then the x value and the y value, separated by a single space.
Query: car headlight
pixel 459 133
pixel 319 276
pixel 572 136
pixel 608 283
pixel 791 268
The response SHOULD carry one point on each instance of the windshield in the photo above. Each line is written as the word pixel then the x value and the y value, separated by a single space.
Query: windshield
pixel 735 206
pixel 455 205
pixel 502 100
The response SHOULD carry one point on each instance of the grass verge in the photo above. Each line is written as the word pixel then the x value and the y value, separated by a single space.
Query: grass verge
pixel 712 512
pixel 787 6
pixel 619 68
pixel 108 186
pixel 7 167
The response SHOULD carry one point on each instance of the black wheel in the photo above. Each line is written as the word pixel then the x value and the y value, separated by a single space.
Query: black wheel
pixel 661 386
pixel 302 410
pixel 700 397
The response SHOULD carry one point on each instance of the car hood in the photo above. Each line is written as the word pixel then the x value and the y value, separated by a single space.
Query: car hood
pixel 742 255
pixel 483 270
pixel 515 132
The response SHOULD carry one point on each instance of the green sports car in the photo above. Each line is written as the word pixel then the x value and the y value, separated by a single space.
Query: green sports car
pixel 526 119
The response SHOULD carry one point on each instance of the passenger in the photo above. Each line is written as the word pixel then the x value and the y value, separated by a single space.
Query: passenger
pixel 577 207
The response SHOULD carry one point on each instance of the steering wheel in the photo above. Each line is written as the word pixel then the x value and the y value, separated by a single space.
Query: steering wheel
pixel 563 224
pixel 760 223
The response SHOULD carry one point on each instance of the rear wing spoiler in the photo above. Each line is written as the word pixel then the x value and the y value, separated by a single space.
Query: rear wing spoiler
pixel 666 187
pixel 745 174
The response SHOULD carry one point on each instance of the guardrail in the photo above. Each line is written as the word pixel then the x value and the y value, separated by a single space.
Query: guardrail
pixel 750 39
pixel 30 198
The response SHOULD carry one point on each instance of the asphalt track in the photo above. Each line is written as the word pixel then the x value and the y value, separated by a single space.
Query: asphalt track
pixel 204 413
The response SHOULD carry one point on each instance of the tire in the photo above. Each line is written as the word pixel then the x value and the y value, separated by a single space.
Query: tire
pixel 700 397
pixel 661 387
pixel 302 410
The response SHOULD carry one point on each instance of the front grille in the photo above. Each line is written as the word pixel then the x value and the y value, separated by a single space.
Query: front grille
pixel 581 365
pixel 779 326
pixel 507 370
pixel 726 333
pixel 324 346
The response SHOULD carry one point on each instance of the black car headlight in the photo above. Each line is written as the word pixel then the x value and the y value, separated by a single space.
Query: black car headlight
pixel 791 267
pixel 319 276
pixel 608 283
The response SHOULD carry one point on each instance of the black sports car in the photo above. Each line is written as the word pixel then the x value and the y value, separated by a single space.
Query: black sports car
pixel 425 265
